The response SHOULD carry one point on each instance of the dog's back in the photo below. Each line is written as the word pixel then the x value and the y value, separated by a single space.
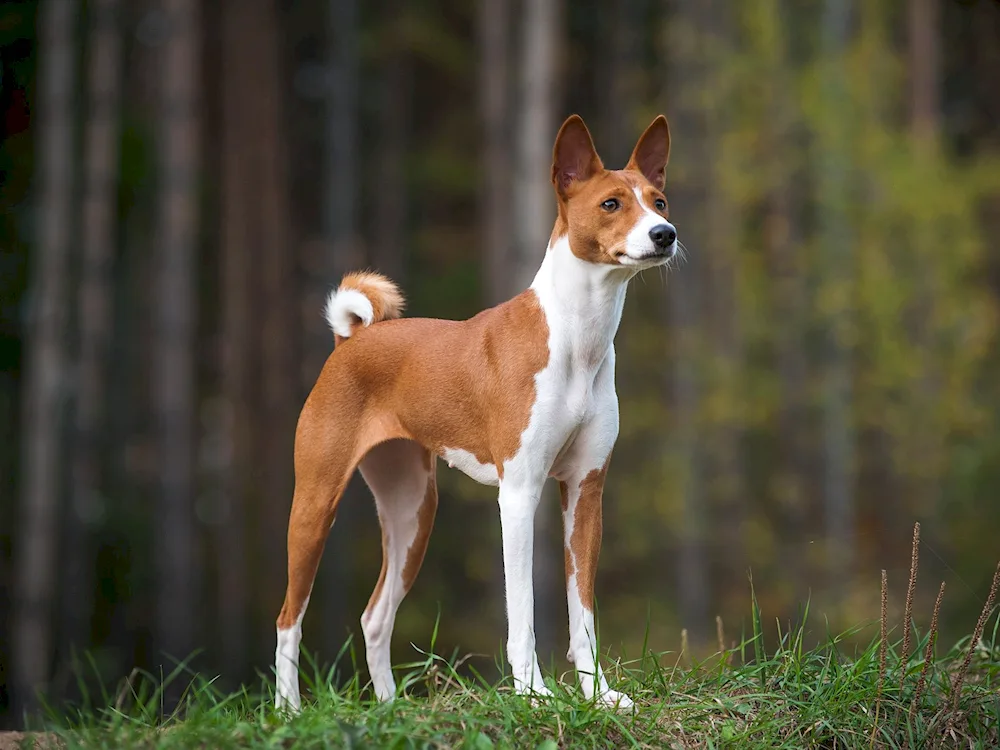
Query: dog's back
pixel 459 387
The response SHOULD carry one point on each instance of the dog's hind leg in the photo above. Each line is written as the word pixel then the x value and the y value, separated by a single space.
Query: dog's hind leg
pixel 313 512
pixel 325 459
pixel 402 477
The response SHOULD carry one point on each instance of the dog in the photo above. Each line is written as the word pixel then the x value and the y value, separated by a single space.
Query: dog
pixel 519 393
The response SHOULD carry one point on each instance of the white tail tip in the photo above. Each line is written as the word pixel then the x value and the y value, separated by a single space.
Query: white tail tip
pixel 345 308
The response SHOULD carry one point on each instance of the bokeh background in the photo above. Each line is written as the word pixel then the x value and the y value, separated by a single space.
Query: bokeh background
pixel 184 181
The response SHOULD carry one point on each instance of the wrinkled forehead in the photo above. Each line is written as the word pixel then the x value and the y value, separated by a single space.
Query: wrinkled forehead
pixel 620 179
pixel 630 178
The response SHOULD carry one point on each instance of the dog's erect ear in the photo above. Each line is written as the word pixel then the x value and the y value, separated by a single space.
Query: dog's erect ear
pixel 574 158
pixel 652 152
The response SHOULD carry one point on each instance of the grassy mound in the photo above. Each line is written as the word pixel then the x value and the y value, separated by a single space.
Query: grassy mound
pixel 893 694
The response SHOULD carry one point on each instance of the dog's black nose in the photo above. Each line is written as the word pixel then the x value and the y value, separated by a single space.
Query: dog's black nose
pixel 663 235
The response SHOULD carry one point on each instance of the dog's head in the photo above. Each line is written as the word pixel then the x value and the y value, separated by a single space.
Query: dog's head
pixel 613 217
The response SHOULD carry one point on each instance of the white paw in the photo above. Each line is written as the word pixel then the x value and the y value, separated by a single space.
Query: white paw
pixel 534 693
pixel 616 700
pixel 289 706
pixel 384 692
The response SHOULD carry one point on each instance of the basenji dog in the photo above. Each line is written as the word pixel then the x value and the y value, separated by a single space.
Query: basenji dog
pixel 519 393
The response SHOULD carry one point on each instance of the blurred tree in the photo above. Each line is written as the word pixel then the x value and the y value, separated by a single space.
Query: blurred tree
pixel 390 230
pixel 126 607
pixel 495 183
pixel 687 28
pixel 95 316
pixel 176 539
pixel 925 67
pixel 616 81
pixel 45 370
pixel 279 337
pixel 924 110
pixel 834 178
pixel 781 160
pixel 724 260
pixel 340 205
pixel 239 86
pixel 534 124
pixel 533 216
pixel 340 218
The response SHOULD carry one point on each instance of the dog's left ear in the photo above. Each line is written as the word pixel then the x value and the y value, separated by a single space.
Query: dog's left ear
pixel 652 152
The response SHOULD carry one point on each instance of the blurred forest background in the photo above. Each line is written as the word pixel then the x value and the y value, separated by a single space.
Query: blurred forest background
pixel 183 182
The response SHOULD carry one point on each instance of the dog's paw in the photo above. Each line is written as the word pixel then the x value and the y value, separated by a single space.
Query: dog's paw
pixel 288 708
pixel 535 694
pixel 616 700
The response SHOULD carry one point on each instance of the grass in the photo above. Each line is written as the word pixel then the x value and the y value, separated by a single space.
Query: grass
pixel 892 694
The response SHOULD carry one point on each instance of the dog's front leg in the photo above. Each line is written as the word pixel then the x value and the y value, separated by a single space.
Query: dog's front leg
pixel 518 502
pixel 582 522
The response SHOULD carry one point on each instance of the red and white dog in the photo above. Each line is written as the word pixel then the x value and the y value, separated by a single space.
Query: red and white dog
pixel 519 393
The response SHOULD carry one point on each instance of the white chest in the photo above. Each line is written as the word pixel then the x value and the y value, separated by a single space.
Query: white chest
pixel 574 417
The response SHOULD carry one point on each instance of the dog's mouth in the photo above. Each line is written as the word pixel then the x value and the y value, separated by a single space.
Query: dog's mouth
pixel 665 253
pixel 656 257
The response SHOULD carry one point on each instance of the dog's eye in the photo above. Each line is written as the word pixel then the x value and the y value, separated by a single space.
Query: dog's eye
pixel 611 204
pixel 661 205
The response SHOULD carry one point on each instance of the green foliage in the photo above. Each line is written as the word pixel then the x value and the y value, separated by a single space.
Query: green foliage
pixel 907 298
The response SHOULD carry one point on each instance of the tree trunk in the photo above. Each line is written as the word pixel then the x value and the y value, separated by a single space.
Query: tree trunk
pixel 925 65
pixel 533 215
pixel 495 193
pixel 534 131
pixel 343 253
pixel 337 252
pixel 100 218
pixel 925 114
pixel 174 363
pixel 687 193
pixel 133 466
pixel 278 350
pixel 44 375
pixel 340 214
pixel 725 477
pixel 237 258
pixel 782 236
pixel 838 427
pixel 389 248
pixel 616 81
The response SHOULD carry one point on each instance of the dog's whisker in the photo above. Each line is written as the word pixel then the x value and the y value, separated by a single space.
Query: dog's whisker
pixel 682 251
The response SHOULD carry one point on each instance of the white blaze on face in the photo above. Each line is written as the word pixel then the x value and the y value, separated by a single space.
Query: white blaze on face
pixel 638 245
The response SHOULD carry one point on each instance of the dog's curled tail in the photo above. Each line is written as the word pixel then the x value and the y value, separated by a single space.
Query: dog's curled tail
pixel 363 298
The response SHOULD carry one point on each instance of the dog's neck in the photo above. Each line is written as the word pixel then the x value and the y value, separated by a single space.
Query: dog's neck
pixel 583 303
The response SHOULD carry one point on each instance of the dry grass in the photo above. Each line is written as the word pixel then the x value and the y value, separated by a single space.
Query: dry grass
pixel 882 649
pixel 911 588
pixel 977 634
pixel 928 654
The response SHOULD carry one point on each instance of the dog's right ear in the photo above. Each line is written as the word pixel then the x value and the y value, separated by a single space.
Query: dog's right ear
pixel 574 158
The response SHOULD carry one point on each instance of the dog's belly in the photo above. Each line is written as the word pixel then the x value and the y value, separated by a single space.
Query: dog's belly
pixel 470 466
